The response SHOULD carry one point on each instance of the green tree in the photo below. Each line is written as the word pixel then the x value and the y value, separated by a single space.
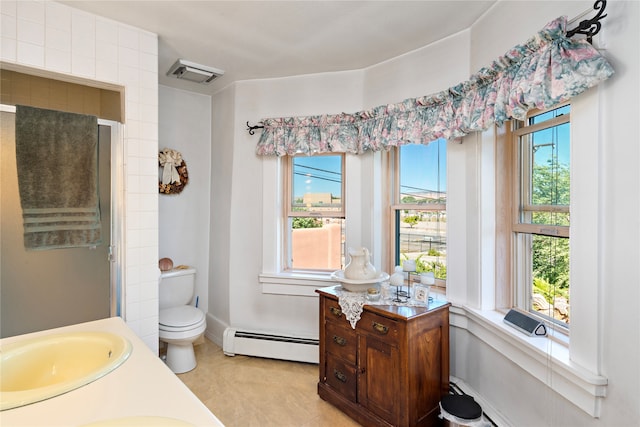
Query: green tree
pixel 409 200
pixel 305 222
pixel 411 220
pixel 551 183
pixel 551 260
pixel 550 186
pixel 548 291
pixel 438 268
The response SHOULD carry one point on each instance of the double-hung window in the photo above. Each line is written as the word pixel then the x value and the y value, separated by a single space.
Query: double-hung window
pixel 419 203
pixel 315 214
pixel 540 229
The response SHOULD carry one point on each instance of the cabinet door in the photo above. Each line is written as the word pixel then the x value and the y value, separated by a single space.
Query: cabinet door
pixel 378 377
pixel 341 376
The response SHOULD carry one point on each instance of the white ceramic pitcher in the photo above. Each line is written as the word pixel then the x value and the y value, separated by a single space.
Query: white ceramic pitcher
pixel 359 266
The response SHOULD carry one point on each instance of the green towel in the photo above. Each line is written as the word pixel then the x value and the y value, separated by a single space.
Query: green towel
pixel 57 162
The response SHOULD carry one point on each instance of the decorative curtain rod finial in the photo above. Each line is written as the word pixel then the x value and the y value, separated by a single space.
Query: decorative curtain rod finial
pixel 590 27
pixel 252 129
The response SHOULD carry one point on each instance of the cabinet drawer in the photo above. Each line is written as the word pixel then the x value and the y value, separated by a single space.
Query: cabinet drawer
pixel 341 375
pixel 332 311
pixel 378 326
pixel 341 341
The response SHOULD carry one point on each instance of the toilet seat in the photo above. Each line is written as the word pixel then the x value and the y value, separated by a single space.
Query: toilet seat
pixel 179 327
pixel 181 319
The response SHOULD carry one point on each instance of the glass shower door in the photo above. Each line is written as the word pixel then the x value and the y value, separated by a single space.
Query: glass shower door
pixel 46 289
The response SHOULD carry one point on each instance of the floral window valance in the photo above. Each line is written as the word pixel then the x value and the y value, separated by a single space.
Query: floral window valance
pixel 546 70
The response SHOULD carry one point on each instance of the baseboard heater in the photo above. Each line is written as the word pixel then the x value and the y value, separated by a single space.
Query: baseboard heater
pixel 271 346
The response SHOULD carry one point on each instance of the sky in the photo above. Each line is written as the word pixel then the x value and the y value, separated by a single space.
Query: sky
pixel 317 174
pixel 418 171
pixel 553 141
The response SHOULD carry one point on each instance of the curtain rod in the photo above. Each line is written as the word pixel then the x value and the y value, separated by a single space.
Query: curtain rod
pixel 579 16
pixel 590 27
pixel 252 129
pixel 587 27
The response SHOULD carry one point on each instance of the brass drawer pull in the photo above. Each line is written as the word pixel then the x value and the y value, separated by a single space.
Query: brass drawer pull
pixel 340 376
pixel 339 340
pixel 380 328
pixel 335 311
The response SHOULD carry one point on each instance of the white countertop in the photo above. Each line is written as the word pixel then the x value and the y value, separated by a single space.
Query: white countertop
pixel 143 386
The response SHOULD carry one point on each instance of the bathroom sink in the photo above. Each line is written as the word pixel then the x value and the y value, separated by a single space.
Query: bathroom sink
pixel 40 368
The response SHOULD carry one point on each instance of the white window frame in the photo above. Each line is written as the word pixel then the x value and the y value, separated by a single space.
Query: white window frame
pixel 480 294
pixel 395 205
pixel 361 224
pixel 289 213
pixel 523 231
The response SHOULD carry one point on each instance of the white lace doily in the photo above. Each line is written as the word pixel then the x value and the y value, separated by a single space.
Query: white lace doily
pixel 351 303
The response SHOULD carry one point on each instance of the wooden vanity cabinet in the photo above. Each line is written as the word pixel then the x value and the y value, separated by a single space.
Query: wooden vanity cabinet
pixel 392 369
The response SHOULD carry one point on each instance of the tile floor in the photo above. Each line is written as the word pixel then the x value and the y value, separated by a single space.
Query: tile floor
pixel 247 391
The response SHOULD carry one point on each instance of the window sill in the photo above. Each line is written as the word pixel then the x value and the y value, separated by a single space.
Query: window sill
pixel 537 356
pixel 294 283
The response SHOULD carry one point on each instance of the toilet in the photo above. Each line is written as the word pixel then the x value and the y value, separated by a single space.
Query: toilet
pixel 180 324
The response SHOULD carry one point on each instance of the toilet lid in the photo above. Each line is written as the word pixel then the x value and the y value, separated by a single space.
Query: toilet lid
pixel 185 315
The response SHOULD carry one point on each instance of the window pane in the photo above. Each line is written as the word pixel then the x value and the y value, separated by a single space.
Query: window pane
pixel 422 236
pixel 550 172
pixel 550 278
pixel 316 243
pixel 547 115
pixel 550 218
pixel 543 272
pixel 316 184
pixel 545 168
pixel 423 173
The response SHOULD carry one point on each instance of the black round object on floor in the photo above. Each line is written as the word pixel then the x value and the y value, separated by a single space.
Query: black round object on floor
pixel 461 406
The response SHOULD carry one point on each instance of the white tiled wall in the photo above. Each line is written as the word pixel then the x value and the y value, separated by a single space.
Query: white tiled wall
pixel 46 35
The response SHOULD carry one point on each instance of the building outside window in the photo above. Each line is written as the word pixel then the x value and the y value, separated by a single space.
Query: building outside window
pixel 419 203
pixel 541 209
pixel 315 214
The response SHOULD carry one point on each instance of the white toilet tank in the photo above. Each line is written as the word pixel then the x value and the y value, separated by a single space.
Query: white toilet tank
pixel 176 287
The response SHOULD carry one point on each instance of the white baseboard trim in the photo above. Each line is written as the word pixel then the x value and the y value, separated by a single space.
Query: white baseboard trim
pixel 215 330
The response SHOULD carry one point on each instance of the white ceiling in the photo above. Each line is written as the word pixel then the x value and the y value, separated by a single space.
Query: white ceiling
pixel 265 39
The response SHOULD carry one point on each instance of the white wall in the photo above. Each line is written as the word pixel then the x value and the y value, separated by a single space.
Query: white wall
pixel 49 39
pixel 223 125
pixel 419 72
pixel 185 125
pixel 248 307
pixel 504 385
pixel 237 229
pixel 605 230
pixel 254 178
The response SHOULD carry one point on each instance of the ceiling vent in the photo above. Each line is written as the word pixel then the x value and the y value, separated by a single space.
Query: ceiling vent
pixel 187 70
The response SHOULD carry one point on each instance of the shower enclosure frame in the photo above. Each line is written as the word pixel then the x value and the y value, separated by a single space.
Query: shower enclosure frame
pixel 117 246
